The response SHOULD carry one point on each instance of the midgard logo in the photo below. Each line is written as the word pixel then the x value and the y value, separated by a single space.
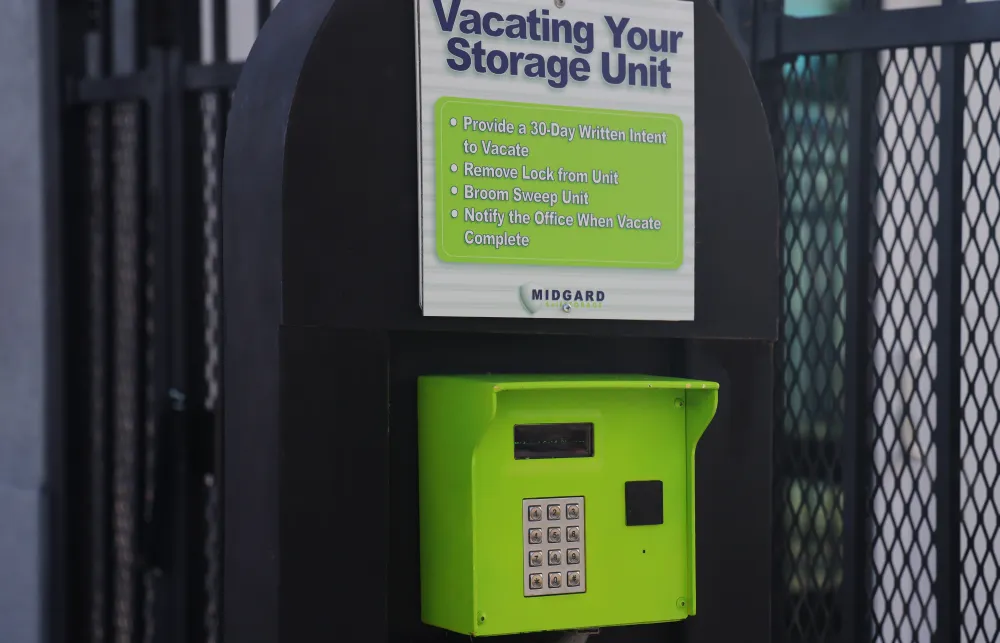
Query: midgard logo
pixel 535 298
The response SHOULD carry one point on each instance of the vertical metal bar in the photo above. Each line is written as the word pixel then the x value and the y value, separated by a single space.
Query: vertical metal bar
pixel 771 83
pixel 64 145
pixel 947 335
pixel 263 11
pixel 220 31
pixel 856 588
pixel 185 213
pixel 221 54
pixel 99 374
pixel 126 343
pixel 159 622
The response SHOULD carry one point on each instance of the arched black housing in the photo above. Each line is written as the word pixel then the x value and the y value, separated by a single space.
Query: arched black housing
pixel 323 334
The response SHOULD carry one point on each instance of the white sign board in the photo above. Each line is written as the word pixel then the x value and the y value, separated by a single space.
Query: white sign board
pixel 557 158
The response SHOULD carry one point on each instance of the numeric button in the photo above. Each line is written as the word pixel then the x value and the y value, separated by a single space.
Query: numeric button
pixel 572 534
pixel 555 512
pixel 555 535
pixel 555 557
pixel 555 579
pixel 572 512
pixel 535 513
pixel 535 558
pixel 572 556
pixel 535 536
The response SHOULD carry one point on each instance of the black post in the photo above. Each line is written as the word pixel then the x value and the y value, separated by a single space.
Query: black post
pixel 320 400
pixel 857 471
pixel 263 11
pixel 67 526
pixel 947 338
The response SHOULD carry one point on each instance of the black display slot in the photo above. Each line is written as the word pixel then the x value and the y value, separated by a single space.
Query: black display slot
pixel 540 441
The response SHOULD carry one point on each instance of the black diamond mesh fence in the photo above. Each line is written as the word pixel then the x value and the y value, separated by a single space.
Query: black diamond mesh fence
pixel 813 166
pixel 903 358
pixel 900 562
pixel 980 340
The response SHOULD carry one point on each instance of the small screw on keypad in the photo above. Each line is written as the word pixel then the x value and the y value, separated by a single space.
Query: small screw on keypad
pixel 555 579
pixel 535 581
pixel 572 512
pixel 535 558
pixel 572 556
pixel 555 535
pixel 555 557
pixel 573 579
pixel 534 513
pixel 535 536
pixel 555 512
pixel 572 534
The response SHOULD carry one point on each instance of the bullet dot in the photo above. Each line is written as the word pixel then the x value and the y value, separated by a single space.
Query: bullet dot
pixel 454 122
pixel 454 214
pixel 454 168
pixel 454 190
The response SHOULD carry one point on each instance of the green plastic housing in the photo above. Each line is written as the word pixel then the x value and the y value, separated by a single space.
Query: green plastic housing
pixel 472 487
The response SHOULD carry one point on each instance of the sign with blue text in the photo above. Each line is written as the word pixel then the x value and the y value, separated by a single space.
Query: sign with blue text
pixel 556 158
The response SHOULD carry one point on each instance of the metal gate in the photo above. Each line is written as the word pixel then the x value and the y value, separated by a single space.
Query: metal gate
pixel 143 91
pixel 886 446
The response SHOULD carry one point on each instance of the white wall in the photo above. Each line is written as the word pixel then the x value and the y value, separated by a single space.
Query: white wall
pixel 22 308
pixel 241 28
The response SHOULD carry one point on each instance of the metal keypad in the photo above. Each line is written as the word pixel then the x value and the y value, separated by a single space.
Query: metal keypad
pixel 553 534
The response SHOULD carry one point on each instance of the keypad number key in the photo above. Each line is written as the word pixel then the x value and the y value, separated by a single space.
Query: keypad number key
pixel 555 535
pixel 555 512
pixel 572 556
pixel 535 513
pixel 535 536
pixel 555 557
pixel 535 581
pixel 535 559
pixel 572 511
pixel 555 579
pixel 572 534
pixel 573 579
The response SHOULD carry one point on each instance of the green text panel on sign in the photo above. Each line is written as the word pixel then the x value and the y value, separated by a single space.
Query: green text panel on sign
pixel 558 186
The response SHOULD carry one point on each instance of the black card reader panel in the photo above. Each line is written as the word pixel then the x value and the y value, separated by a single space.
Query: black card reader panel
pixel 539 441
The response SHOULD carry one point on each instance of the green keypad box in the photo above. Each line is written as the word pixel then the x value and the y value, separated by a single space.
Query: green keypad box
pixel 558 502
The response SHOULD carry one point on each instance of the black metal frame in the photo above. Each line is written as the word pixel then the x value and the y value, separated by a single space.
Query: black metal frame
pixel 96 56
pixel 321 391
pixel 856 36
pixel 783 37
